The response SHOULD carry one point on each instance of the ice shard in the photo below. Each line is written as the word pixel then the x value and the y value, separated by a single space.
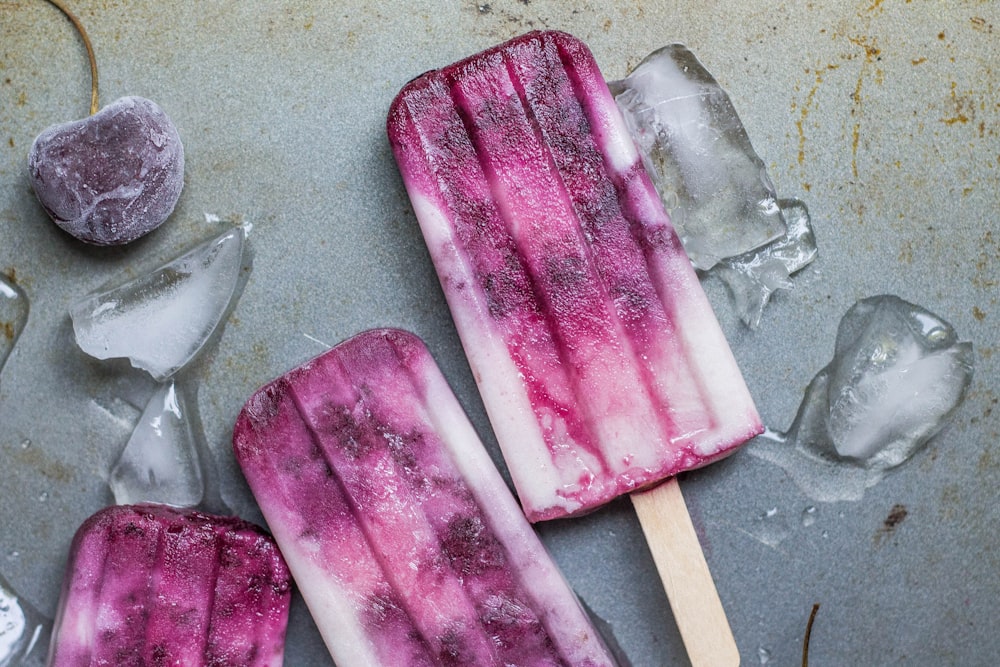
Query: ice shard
pixel 160 463
pixel 22 630
pixel 161 320
pixel 13 315
pixel 713 184
pixel 755 275
pixel 898 374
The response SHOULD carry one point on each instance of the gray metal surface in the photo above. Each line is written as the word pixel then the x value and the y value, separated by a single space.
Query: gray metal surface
pixel 883 116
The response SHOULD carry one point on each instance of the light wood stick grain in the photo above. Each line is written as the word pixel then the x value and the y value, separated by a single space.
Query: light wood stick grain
pixel 690 589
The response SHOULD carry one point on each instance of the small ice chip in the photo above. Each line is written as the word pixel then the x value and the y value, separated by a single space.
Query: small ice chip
pixel 160 321
pixel 753 276
pixel 22 630
pixel 714 186
pixel 13 315
pixel 160 462
pixel 898 374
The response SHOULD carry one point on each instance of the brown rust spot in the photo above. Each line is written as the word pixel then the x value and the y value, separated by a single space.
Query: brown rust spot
pixel 978 314
pixel 980 24
pixel 918 61
pixel 808 104
pixel 896 516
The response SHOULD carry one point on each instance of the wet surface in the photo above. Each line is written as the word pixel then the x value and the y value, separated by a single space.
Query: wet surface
pixel 882 117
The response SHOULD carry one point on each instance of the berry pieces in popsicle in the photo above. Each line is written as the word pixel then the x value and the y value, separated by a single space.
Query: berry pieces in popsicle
pixel 151 585
pixel 408 547
pixel 597 354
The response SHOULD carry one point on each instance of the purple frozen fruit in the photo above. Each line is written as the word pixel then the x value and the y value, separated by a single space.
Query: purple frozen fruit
pixel 112 177
pixel 597 354
pixel 407 545
pixel 152 585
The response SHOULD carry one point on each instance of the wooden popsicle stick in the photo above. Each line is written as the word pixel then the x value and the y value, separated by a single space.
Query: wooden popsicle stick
pixel 690 589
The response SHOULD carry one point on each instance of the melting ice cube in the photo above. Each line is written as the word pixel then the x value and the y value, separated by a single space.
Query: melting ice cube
pixel 160 321
pixel 695 147
pixel 898 374
pixel 13 315
pixel 22 630
pixel 160 462
pixel 753 276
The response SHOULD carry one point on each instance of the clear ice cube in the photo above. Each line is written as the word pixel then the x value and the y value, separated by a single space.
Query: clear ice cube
pixel 160 462
pixel 13 315
pixel 712 183
pixel 753 276
pixel 22 630
pixel 161 320
pixel 898 374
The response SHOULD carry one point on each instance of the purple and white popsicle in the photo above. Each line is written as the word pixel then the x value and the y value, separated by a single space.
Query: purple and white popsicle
pixel 599 359
pixel 407 545
pixel 153 585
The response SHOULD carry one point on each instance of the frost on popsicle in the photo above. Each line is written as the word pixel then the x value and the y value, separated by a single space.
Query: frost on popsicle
pixel 22 629
pixel 160 321
pixel 714 186
pixel 13 315
pixel 898 374
pixel 150 585
pixel 160 462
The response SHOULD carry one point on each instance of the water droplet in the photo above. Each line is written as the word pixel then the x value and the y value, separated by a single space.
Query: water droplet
pixel 764 655
pixel 43 496
pixel 13 555
pixel 26 443
pixel 770 513
pixel 809 516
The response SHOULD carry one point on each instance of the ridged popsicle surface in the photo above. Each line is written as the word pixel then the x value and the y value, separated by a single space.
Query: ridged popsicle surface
pixel 151 585
pixel 598 357
pixel 407 546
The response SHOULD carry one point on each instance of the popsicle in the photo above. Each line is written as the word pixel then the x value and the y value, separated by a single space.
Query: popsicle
pixel 598 357
pixel 407 545
pixel 152 585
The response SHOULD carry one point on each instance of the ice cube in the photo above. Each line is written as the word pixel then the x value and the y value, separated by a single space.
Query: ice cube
pixel 753 276
pixel 160 463
pixel 160 320
pixel 898 374
pixel 13 315
pixel 712 183
pixel 22 630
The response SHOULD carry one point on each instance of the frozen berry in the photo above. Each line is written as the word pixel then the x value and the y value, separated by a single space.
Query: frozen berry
pixel 112 177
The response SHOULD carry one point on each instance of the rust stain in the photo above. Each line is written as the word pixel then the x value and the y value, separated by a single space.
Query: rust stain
pixel 986 276
pixel 978 314
pixel 906 252
pixel 808 105
pixel 7 330
pixel 919 61
pixel 980 24
pixel 962 107
pixel 896 516
pixel 872 54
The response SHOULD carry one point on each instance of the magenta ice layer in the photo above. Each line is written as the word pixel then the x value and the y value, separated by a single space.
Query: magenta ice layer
pixel 599 358
pixel 151 585
pixel 407 546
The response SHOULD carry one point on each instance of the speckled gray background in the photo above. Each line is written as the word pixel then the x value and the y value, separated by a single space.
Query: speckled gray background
pixel 882 114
